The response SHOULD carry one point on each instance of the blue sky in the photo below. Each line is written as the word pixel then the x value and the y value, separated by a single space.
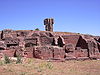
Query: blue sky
pixel 80 16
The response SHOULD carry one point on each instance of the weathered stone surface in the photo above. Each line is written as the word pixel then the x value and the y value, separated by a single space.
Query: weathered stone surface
pixel 93 46
pixel 30 42
pixel 9 53
pixel 73 39
pixel 43 52
pixel 69 51
pixel 49 52
pixel 81 52
pixel 49 45
pixel 11 42
pixel 22 33
pixel 6 33
pixel 45 39
pixel 28 52
pixel 49 24
pixel 58 53
pixel 19 51
pixel 2 45
pixel 93 49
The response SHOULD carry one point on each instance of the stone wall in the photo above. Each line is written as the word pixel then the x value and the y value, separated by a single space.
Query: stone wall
pixel 73 39
pixel 49 45
pixel 49 52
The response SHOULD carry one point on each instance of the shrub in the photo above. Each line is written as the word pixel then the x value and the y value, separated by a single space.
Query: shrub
pixel 37 29
pixel 23 73
pixel 6 59
pixel 49 65
pixel 1 63
pixel 46 65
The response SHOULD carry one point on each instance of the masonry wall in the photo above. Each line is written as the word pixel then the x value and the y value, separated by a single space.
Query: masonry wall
pixel 48 45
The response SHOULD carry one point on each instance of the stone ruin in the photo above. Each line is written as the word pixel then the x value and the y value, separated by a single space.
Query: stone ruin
pixel 49 45
pixel 49 24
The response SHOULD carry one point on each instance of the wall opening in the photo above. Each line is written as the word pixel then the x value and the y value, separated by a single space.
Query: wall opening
pixel 9 45
pixel 98 47
pixel 99 40
pixel 53 43
pixel 82 43
pixel 1 48
pixel 30 45
pixel 60 42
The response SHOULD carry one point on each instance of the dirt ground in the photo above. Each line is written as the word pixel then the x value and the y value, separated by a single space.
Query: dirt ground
pixel 42 67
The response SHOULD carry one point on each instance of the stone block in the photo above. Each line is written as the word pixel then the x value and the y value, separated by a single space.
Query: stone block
pixel 58 53
pixel 42 52
pixel 45 40
pixel 73 39
pixel 49 52
pixel 9 53
pixel 81 53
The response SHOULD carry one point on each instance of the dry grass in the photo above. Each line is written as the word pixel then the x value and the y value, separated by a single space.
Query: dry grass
pixel 42 67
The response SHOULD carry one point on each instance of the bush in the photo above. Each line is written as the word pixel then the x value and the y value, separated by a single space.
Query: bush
pixel 49 65
pixel 45 65
pixel 1 63
pixel 37 29
pixel 6 59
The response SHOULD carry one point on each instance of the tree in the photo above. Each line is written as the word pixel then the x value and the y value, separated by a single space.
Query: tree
pixel 37 29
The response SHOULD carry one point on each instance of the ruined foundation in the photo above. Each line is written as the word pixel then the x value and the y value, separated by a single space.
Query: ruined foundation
pixel 49 45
